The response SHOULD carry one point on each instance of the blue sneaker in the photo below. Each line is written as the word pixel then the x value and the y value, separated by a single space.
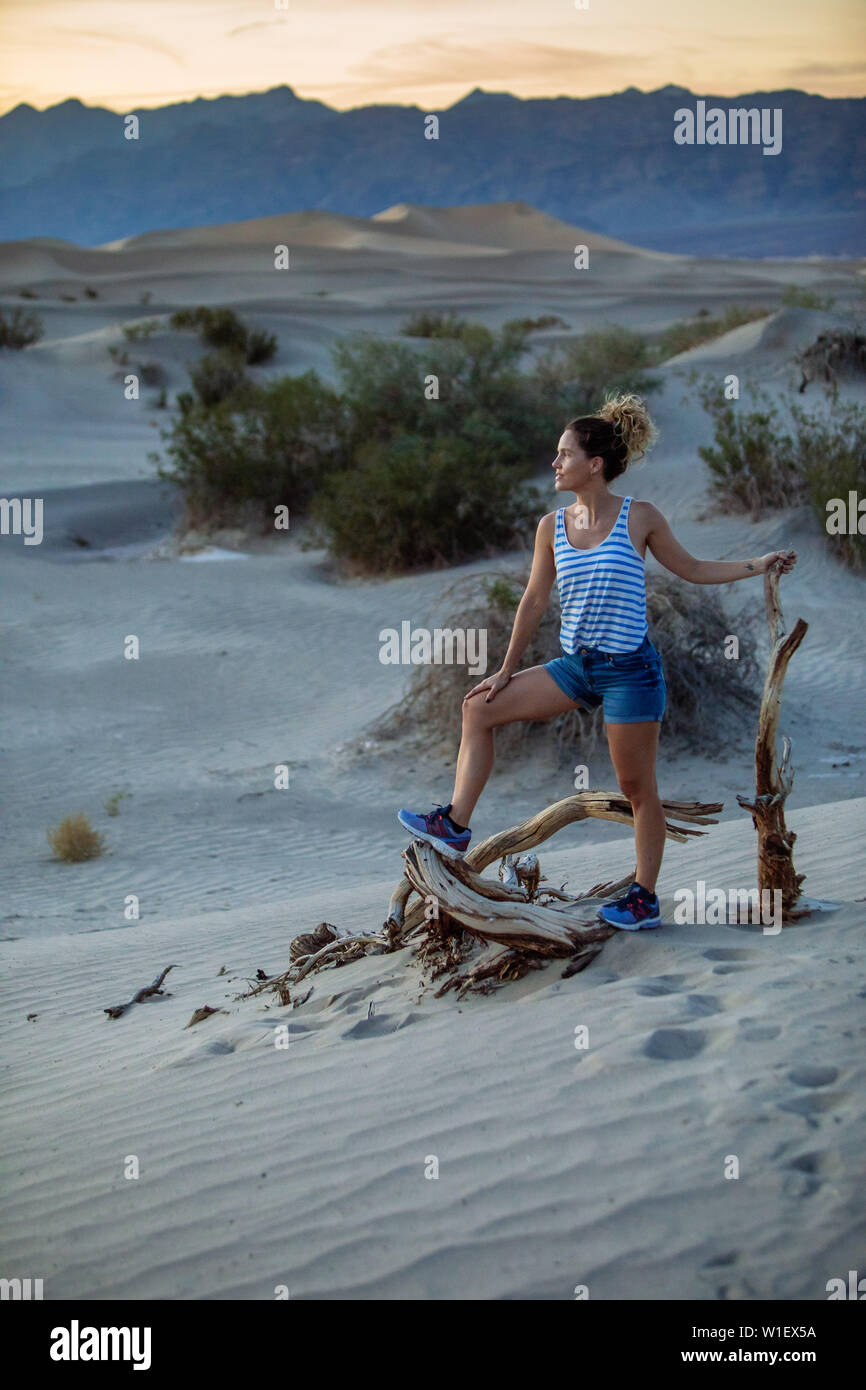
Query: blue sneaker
pixel 436 830
pixel 637 909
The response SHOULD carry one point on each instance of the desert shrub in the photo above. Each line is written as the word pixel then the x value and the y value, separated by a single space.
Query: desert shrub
pixel 795 297
pixel 27 294
pixel 272 446
pixel 431 324
pixel 91 292
pixel 757 462
pixel 708 697
pixel 478 438
pixel 831 457
pixel 217 377
pixel 415 502
pixel 685 334
pixel 483 395
pixel 752 462
pixel 577 376
pixel 19 329
pixel 543 321
pixel 381 386
pixel 138 332
pixel 151 373
pixel 261 347
pixel 833 354
pixel 74 839
pixel 223 329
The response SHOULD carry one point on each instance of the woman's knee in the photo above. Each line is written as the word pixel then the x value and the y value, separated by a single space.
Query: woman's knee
pixel 477 714
pixel 637 788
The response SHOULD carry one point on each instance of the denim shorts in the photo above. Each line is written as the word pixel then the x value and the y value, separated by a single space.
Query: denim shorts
pixel 630 685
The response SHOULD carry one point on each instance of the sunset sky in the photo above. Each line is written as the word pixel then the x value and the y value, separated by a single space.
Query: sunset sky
pixel 353 52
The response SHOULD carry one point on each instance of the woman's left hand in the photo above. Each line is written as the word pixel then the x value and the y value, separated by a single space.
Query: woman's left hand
pixel 786 559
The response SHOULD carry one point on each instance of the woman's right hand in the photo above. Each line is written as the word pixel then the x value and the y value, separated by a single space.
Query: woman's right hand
pixel 489 686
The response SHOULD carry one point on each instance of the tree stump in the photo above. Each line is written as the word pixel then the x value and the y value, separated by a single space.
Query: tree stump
pixel 773 779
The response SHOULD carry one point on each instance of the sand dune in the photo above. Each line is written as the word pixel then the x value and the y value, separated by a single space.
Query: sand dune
pixel 305 1167
pixel 774 341
pixel 557 1167
pixel 510 226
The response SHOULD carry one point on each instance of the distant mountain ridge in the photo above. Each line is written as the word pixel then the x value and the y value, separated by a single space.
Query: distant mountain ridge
pixel 608 163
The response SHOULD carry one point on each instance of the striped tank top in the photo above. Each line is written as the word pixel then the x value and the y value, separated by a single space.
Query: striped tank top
pixel 602 591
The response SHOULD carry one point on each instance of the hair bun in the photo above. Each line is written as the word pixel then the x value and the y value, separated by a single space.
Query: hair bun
pixel 630 417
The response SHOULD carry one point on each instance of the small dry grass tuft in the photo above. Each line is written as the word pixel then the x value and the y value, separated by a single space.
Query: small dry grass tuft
pixel 710 700
pixel 74 839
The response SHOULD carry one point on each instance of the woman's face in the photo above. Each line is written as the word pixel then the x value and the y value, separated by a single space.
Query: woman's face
pixel 573 469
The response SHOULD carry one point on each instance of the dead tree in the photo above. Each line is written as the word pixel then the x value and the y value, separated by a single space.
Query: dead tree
pixel 774 778
pixel 497 928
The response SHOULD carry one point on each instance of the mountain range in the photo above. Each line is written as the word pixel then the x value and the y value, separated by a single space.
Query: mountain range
pixel 607 163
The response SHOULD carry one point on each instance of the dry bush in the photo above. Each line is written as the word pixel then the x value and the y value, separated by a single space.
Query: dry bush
pixel 841 352
pixel 708 697
pixel 139 331
pixel 74 839
pixel 757 463
pixel 752 460
pixel 19 329
pixel 152 373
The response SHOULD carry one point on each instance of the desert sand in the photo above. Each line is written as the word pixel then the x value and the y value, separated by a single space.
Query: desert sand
pixel 304 1167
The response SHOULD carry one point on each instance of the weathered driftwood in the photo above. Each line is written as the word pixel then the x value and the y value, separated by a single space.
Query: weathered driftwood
pixel 115 1010
pixel 516 921
pixel 540 827
pixel 774 778
pixel 488 908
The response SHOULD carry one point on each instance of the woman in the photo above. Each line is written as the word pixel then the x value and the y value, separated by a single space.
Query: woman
pixel 596 550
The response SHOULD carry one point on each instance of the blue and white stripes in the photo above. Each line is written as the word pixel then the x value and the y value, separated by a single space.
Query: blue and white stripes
pixel 602 591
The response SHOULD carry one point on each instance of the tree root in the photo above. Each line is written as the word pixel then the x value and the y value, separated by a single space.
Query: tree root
pixel 115 1010
pixel 457 913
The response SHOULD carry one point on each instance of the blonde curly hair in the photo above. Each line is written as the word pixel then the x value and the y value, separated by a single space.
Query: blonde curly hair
pixel 620 433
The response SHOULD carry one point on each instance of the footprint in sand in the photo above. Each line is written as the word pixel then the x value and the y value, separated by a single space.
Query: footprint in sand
pixel 807 1075
pixel 674 1044
pixel 753 1031
pixel 807 1172
pixel 817 1100
pixel 702 1005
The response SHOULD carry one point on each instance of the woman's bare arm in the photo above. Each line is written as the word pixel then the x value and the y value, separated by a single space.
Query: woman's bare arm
pixel 530 610
pixel 668 551
pixel 536 596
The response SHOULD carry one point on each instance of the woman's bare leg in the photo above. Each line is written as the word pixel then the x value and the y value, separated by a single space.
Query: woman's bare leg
pixel 531 694
pixel 633 753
